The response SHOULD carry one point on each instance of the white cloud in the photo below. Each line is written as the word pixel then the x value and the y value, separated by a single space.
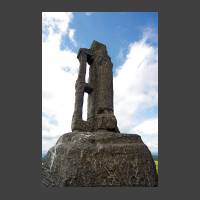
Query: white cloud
pixel 71 36
pixel 57 20
pixel 57 84
pixel 89 13
pixel 152 144
pixel 149 126
pixel 150 35
pixel 136 89
pixel 135 85
pixel 148 129
pixel 57 23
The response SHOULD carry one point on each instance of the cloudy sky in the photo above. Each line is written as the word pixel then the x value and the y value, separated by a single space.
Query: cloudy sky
pixel 132 42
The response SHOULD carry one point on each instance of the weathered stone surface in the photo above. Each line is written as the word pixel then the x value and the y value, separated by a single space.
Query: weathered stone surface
pixel 100 113
pixel 99 159
pixel 95 153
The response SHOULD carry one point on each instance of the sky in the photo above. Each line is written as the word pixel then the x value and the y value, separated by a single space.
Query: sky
pixel 132 43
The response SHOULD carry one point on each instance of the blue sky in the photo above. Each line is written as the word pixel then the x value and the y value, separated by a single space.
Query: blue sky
pixel 115 29
pixel 132 42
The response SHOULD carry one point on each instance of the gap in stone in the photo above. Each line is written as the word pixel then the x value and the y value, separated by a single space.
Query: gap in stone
pixel 85 99
pixel 87 73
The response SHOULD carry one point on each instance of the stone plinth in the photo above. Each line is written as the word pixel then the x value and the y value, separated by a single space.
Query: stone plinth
pixel 99 159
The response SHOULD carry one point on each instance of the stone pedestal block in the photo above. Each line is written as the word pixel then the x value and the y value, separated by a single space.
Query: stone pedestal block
pixel 99 159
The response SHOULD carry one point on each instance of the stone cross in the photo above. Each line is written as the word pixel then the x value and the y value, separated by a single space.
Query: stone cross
pixel 100 113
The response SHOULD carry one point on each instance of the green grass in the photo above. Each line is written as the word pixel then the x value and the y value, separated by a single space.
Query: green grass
pixel 156 163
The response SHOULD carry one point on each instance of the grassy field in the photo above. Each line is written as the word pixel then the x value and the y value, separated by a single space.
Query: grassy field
pixel 156 162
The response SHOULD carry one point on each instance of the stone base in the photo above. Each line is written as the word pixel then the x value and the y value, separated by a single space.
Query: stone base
pixel 105 121
pixel 99 159
pixel 80 125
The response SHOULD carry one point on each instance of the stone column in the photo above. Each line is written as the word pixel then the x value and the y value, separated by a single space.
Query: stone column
pixel 100 113
pixel 79 94
pixel 104 85
pixel 104 117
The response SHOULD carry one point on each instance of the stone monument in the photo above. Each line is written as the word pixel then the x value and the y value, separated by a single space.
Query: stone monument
pixel 100 114
pixel 95 153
